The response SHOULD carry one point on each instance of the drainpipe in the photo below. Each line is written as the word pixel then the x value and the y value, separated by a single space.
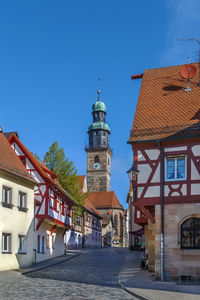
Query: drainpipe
pixel 162 209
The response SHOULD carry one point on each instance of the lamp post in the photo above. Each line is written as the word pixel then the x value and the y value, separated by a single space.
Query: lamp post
pixel 132 174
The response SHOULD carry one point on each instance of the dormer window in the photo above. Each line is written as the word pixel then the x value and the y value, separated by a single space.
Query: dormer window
pixel 175 168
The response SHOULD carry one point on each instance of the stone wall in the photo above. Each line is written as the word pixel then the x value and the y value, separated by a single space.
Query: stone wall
pixel 98 180
pixel 178 262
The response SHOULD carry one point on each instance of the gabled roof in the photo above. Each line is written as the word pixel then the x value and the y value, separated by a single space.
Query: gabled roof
pixel 10 162
pixel 81 179
pixel 42 169
pixel 90 207
pixel 163 107
pixel 104 200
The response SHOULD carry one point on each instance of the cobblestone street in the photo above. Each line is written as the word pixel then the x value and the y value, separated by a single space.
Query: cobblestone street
pixel 92 275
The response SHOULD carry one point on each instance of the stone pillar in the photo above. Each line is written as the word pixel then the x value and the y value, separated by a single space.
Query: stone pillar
pixel 151 246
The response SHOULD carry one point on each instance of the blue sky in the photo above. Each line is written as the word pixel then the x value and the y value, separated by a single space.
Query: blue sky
pixel 52 53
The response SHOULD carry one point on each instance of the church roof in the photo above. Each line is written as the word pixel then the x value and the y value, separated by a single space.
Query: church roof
pixel 99 106
pixel 99 125
pixel 81 179
pixel 10 162
pixel 104 200
pixel 164 108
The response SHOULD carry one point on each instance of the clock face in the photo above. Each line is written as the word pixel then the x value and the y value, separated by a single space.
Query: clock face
pixel 96 166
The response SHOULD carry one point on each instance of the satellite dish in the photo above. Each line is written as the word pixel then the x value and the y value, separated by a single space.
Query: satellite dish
pixel 188 71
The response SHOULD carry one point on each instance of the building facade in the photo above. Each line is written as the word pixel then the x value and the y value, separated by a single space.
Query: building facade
pixel 166 147
pixel 52 205
pixel 16 210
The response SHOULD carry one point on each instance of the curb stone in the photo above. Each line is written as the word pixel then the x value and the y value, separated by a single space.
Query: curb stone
pixel 139 296
pixel 50 265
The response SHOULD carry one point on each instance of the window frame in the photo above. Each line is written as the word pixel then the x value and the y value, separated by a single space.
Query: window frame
pixel 7 203
pixel 175 158
pixel 9 245
pixel 23 243
pixel 24 201
pixel 194 230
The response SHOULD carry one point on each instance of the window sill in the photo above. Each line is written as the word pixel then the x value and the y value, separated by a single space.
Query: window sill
pixel 41 252
pixel 6 252
pixel 24 209
pixel 8 205
pixel 176 180
pixel 21 252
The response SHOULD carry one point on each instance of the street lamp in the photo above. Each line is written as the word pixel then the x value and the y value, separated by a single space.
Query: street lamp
pixel 132 174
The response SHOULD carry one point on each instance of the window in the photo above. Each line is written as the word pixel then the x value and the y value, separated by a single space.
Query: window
pixel 6 242
pixel 7 197
pixel 43 244
pixel 38 244
pixel 21 244
pixel 55 202
pixel 96 159
pixel 175 168
pixel 190 234
pixel 22 206
pixel 115 224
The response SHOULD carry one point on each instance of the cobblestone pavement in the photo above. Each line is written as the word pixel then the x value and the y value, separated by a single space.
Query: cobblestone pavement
pixel 92 275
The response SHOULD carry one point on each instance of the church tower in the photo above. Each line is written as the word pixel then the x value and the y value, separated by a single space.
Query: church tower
pixel 98 151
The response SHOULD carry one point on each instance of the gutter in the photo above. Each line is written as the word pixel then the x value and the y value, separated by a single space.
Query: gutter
pixel 162 204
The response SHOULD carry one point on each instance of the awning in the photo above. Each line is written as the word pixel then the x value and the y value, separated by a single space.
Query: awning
pixel 137 232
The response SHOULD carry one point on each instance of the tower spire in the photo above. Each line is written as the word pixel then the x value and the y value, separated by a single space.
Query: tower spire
pixel 99 92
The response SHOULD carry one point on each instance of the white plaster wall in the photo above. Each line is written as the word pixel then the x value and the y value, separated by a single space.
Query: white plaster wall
pixel 194 172
pixel 17 223
pixel 144 173
pixel 156 177
pixel 166 190
pixel 153 153
pixel 196 150
pixel 59 249
pixel 195 189
pixel 152 191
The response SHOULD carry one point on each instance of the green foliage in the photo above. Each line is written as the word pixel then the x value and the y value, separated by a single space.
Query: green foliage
pixel 66 174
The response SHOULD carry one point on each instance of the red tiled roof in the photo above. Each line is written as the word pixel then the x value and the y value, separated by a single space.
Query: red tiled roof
pixel 164 108
pixel 81 179
pixel 90 207
pixel 104 200
pixel 43 170
pixel 10 162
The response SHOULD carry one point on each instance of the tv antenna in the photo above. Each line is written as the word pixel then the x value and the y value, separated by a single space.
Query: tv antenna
pixel 193 40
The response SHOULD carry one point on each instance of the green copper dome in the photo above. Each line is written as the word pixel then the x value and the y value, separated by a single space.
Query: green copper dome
pixel 99 125
pixel 99 106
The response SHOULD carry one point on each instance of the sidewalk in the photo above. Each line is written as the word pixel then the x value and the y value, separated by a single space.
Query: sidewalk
pixel 141 283
pixel 50 262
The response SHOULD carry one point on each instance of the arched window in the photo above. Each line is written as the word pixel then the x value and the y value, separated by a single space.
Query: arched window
pixel 96 159
pixel 190 234
pixel 115 224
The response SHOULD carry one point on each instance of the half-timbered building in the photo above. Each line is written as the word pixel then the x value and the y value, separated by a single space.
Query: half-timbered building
pixel 53 205
pixel 165 140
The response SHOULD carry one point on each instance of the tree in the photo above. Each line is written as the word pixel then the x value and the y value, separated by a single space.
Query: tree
pixel 66 174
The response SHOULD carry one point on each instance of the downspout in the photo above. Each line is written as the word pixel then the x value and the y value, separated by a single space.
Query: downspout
pixel 162 209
